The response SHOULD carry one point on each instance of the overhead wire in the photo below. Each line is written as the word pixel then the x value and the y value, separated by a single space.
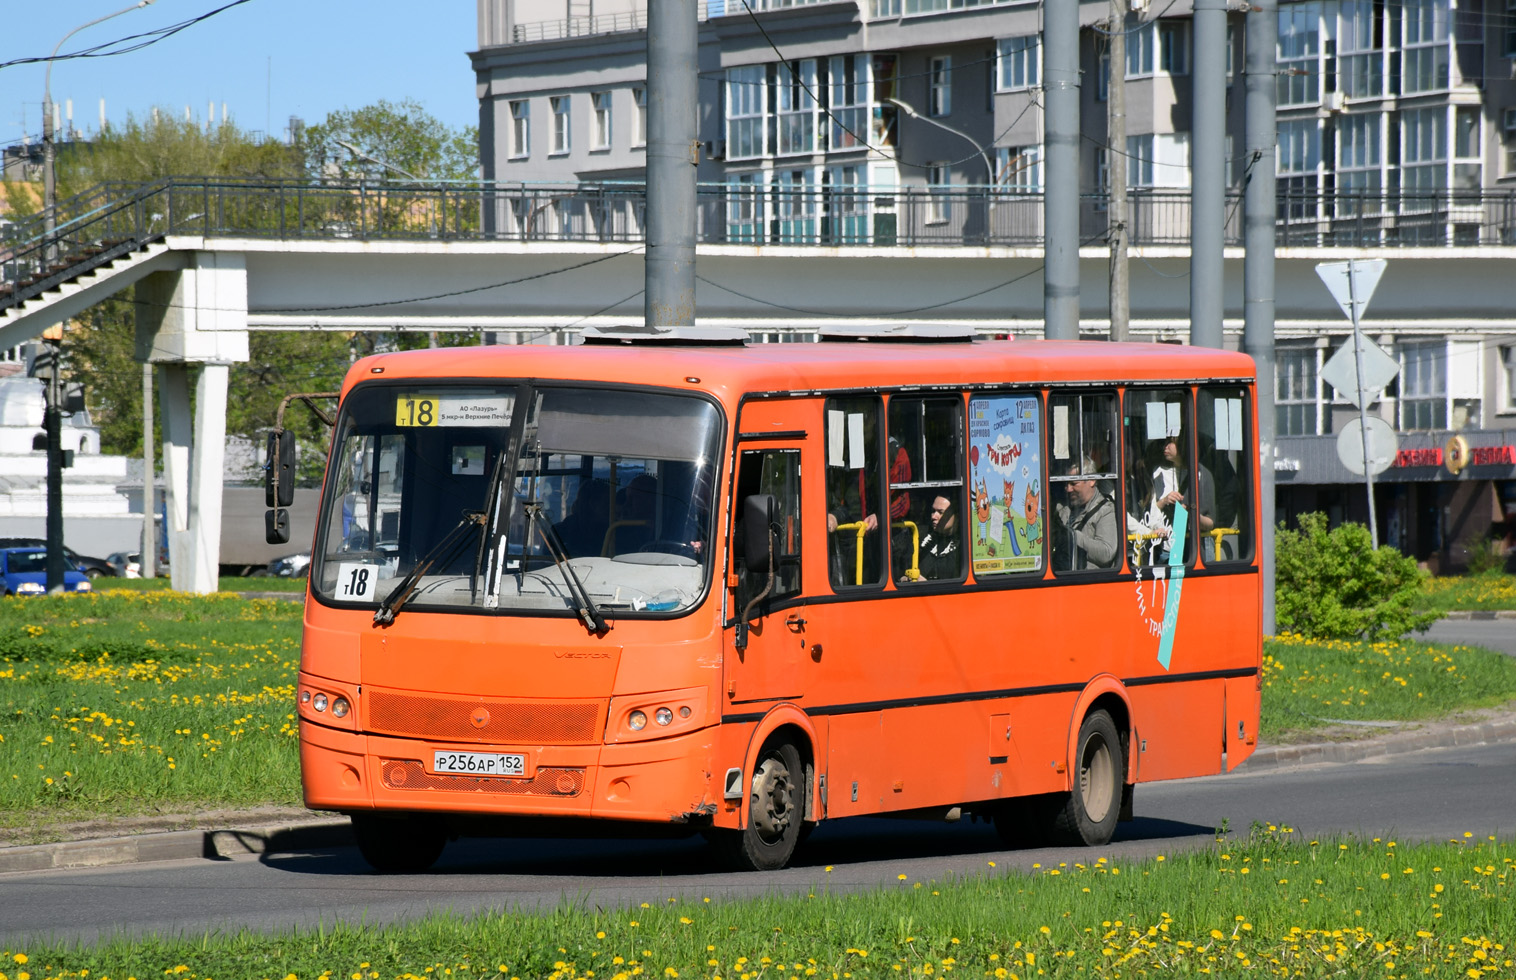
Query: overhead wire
pixel 100 50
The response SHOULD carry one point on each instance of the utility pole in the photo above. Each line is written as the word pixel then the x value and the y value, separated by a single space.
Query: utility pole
pixel 1208 173
pixel 1115 173
pixel 1261 34
pixel 53 425
pixel 1060 271
pixel 673 155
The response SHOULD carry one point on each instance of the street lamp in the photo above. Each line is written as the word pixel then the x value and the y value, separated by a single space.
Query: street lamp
pixel 373 159
pixel 49 180
pixel 989 170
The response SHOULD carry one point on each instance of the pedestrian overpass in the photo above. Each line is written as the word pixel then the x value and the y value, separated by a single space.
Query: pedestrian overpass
pixel 210 260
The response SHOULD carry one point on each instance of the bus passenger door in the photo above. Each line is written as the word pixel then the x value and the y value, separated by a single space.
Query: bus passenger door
pixel 766 651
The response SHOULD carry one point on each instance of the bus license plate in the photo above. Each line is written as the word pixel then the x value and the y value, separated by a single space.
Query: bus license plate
pixel 479 763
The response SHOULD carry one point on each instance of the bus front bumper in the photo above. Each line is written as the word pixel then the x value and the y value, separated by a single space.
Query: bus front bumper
pixel 661 780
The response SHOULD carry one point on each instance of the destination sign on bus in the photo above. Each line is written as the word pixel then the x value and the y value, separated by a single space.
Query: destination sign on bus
pixel 451 409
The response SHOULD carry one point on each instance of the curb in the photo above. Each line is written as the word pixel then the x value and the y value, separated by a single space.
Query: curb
pixel 220 844
pixel 1484 614
pixel 1285 756
pixel 228 843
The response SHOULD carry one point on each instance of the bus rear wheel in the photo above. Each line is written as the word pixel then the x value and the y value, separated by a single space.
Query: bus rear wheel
pixel 774 816
pixel 1088 814
pixel 399 843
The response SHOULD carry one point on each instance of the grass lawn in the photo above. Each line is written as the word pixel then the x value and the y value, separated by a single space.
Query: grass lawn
pixel 1489 591
pixel 244 583
pixel 1274 904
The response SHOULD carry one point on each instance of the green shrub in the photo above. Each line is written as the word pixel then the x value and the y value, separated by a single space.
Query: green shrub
pixel 1332 584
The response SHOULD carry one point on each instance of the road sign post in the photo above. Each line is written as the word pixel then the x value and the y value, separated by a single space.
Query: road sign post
pixel 1352 284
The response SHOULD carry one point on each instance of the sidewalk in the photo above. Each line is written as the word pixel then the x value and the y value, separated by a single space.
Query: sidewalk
pixel 226 835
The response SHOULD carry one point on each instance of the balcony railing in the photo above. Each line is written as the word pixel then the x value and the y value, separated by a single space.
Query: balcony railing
pixel 113 217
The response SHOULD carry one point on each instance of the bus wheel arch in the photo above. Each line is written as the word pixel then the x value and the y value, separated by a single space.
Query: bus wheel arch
pixel 1104 693
pixel 778 776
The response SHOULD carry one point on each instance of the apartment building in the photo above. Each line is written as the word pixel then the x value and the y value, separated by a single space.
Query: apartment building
pixel 920 122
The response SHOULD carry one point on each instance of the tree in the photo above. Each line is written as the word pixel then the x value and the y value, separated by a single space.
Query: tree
pixel 163 146
pixel 403 135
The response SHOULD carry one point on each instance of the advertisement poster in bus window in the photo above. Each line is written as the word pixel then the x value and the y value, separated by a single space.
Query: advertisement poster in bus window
pixel 1005 472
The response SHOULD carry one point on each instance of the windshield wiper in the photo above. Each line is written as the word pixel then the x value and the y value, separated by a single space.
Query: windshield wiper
pixel 587 609
pixel 444 551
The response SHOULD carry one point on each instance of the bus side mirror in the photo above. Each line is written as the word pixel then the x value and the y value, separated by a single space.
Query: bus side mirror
pixel 276 526
pixel 279 470
pixel 759 512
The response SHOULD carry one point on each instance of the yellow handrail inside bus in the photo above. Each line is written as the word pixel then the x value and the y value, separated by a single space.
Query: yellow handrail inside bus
pixel 913 573
pixel 1215 533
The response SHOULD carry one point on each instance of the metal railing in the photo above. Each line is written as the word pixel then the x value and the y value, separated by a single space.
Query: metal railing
pixel 111 219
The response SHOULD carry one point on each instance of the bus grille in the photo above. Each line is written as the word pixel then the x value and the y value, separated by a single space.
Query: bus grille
pixel 504 722
pixel 409 774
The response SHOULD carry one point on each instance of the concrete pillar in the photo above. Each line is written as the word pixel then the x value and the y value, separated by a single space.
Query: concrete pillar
pixel 188 319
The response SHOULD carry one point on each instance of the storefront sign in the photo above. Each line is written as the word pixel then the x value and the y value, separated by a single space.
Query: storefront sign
pixel 1419 457
pixel 1492 456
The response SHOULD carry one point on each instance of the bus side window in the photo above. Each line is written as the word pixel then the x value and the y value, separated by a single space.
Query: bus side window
pixel 775 472
pixel 1223 429
pixel 1082 482
pixel 1006 495
pixel 925 451
pixel 1161 477
pixel 855 541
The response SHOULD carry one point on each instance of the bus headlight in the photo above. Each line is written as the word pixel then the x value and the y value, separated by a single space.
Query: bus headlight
pixel 339 708
pixel 636 721
pixel 658 714
pixel 319 702
pixel 663 716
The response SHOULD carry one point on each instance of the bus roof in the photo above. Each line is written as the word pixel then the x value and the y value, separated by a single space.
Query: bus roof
pixel 826 366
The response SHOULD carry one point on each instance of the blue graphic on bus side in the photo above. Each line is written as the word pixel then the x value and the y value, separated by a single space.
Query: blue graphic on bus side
pixel 1176 584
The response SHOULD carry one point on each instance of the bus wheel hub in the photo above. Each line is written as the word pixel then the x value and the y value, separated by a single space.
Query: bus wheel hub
pixel 771 798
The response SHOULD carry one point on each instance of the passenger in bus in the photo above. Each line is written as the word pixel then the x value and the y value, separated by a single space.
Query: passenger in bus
pixel 941 552
pixel 583 531
pixel 1172 483
pixel 1086 535
pixel 636 504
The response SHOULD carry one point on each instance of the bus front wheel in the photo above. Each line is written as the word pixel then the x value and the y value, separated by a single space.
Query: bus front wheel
pixel 1088 814
pixel 399 844
pixel 775 812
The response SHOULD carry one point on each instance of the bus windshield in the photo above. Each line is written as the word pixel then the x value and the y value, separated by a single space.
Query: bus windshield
pixel 439 493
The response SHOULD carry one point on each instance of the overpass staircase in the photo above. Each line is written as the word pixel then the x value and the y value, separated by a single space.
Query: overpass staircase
pixel 97 236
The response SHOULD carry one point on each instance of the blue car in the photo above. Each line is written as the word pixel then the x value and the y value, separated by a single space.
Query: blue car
pixel 23 571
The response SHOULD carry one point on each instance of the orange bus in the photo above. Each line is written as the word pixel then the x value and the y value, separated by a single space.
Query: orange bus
pixel 673 582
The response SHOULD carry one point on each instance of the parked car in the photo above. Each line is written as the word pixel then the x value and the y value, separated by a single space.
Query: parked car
pixel 290 566
pixel 128 564
pixel 24 572
pixel 92 567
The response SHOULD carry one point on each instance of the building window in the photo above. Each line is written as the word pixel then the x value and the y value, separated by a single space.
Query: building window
pixel 1423 386
pixel 601 101
pixel 1297 391
pixel 1174 46
pixel 639 117
pixel 1424 149
pixel 744 209
pixel 1508 364
pixel 846 221
pixel 1467 146
pixel 1509 126
pixel 1299 78
pixel 939 183
pixel 521 129
pixel 1019 168
pixel 1359 153
pixel 940 97
pixel 560 108
pixel 848 80
pixel 1510 28
pixel 795 206
pixel 745 96
pixel 1424 62
pixel 797 106
pixel 1139 161
pixel 1018 64
pixel 1103 78
pixel 1139 50
pixel 1360 50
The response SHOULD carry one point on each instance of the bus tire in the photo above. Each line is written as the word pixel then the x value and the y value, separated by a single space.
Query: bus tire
pixel 1089 812
pixel 775 813
pixel 399 844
